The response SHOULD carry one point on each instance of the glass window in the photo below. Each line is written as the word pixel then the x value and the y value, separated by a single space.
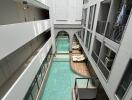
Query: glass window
pixel 82 17
pixel 88 40
pixel 83 35
pixel 79 34
pixel 96 50
pixel 35 89
pixel 93 16
pixel 125 81
pixel 35 86
pixel 90 17
pixel 85 16
pixel 106 59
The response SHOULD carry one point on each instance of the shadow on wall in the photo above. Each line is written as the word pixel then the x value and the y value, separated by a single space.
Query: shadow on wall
pixel 62 33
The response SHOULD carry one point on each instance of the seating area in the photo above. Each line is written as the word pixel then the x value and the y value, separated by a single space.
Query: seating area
pixel 78 60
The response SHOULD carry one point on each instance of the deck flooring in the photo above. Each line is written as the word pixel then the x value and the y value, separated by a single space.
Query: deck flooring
pixel 80 67
pixel 76 52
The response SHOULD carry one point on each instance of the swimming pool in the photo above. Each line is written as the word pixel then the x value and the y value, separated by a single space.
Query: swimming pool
pixel 61 79
pixel 62 45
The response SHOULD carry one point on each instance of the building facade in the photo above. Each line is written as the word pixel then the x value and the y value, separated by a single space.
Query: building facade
pixel 28 31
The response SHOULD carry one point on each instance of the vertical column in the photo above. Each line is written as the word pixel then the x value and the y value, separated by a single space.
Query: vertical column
pixel 52 25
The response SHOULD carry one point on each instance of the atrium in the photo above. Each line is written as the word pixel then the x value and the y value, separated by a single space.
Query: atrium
pixel 65 50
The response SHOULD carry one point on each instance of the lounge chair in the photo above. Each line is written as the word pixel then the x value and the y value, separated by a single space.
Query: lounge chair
pixel 78 58
pixel 76 47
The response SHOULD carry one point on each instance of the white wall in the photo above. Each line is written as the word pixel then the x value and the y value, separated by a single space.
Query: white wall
pixel 22 84
pixel 67 11
pixel 124 53
pixel 14 36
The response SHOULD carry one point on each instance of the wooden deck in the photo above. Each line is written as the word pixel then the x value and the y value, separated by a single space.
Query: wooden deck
pixel 80 67
pixel 76 52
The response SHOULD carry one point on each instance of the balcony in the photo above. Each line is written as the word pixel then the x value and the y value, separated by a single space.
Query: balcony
pixel 85 89
pixel 16 35
pixel 27 72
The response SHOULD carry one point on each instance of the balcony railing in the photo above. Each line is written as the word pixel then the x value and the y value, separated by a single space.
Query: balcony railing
pixel 100 27
pixel 88 91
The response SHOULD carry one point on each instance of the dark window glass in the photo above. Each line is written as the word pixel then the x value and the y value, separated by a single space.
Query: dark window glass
pixel 83 35
pixel 88 40
pixel 93 16
pixel 125 81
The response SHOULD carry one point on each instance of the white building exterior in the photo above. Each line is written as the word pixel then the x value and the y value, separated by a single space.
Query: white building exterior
pixel 91 21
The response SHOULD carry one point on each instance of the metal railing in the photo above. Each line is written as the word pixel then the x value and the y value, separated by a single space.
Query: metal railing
pixel 76 85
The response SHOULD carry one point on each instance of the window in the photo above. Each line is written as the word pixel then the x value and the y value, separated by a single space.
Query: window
pixel 96 50
pixel 84 17
pixel 91 17
pixel 79 34
pixel 88 40
pixel 125 81
pixel 118 19
pixel 102 17
pixel 82 22
pixel 83 34
pixel 106 59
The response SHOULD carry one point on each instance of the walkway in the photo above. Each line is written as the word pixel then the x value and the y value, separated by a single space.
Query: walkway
pixel 79 67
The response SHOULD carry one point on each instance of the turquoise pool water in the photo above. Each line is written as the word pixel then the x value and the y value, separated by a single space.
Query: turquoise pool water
pixel 62 45
pixel 61 79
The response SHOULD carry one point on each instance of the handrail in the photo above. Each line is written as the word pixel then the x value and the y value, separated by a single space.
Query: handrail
pixel 75 86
